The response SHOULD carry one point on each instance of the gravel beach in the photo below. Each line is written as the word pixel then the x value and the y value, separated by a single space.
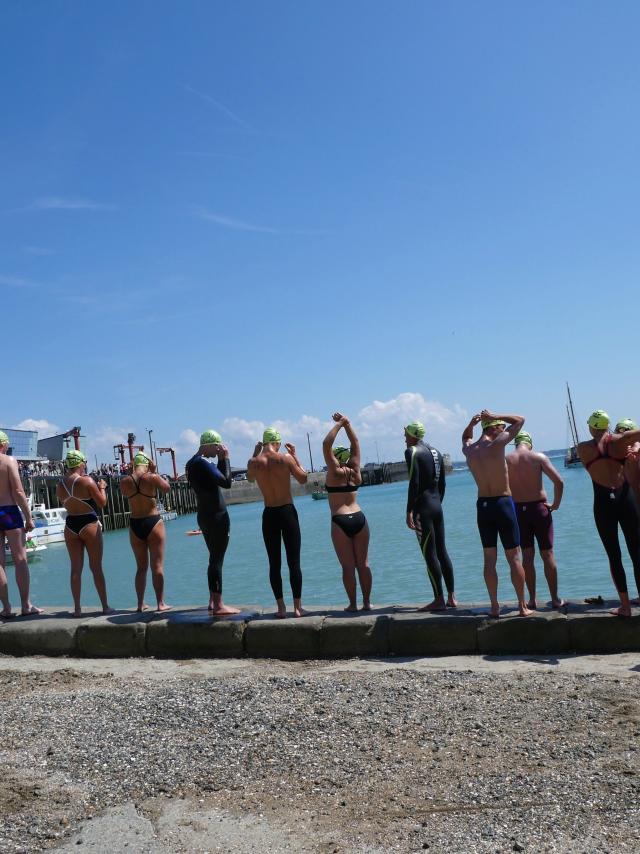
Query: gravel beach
pixel 465 755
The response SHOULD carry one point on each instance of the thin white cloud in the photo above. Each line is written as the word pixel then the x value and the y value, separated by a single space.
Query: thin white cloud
pixel 58 203
pixel 237 224
pixel 41 425
pixel 38 251
pixel 16 282
pixel 220 107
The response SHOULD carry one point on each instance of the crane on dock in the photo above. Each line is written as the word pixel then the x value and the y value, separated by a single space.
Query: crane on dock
pixel 173 459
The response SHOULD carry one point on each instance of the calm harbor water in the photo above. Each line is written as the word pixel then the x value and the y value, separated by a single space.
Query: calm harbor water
pixel 398 570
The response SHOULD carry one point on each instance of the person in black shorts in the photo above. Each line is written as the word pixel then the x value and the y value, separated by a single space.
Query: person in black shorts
pixel 496 513
pixel 207 481
pixel 424 513
pixel 534 512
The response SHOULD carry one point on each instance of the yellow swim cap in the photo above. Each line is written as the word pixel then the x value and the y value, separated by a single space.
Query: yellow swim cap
pixel 74 459
pixel 210 437
pixel 342 454
pixel 415 429
pixel 141 459
pixel 492 422
pixel 622 426
pixel 4 439
pixel 270 435
pixel 599 420
pixel 525 437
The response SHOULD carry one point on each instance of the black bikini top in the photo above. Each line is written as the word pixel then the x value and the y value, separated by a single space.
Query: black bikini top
pixel 345 488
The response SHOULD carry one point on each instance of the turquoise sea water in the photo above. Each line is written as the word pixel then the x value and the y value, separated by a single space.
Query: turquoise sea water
pixel 398 569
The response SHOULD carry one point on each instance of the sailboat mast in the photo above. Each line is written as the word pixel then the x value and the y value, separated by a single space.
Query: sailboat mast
pixel 574 439
pixel 572 416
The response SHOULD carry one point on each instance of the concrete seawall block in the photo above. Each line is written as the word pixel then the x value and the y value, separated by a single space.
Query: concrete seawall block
pixel 38 636
pixel 514 635
pixel 349 636
pixel 212 639
pixel 603 632
pixel 103 639
pixel 288 639
pixel 433 634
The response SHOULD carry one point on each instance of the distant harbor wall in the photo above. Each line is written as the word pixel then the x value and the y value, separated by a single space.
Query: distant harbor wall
pixel 182 499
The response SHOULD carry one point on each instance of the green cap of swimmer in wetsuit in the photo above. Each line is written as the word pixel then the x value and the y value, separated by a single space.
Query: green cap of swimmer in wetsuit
pixel 4 439
pixel 74 459
pixel 621 427
pixel 271 435
pixel 415 429
pixel 599 420
pixel 342 454
pixel 141 459
pixel 492 422
pixel 525 437
pixel 210 437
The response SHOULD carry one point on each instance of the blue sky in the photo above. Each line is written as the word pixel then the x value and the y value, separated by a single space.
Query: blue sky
pixel 225 215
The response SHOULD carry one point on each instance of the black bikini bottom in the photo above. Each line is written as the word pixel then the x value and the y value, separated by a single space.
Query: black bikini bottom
pixel 78 523
pixel 350 523
pixel 143 527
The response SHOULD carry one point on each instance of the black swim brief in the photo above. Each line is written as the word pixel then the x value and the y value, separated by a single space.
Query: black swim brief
pixel 10 518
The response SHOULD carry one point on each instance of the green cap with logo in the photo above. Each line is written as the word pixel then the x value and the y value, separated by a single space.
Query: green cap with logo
pixel 270 435
pixel 599 420
pixel 621 427
pixel 141 459
pixel 4 439
pixel 342 454
pixel 415 429
pixel 74 459
pixel 525 437
pixel 210 437
pixel 492 422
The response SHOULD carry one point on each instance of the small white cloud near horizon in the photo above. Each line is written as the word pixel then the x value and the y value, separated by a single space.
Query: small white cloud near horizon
pixel 58 203
pixel 43 427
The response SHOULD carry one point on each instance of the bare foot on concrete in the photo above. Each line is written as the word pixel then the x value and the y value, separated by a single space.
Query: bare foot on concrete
pixel 452 602
pixel 76 613
pixel 620 612
pixel 141 608
pixel 351 608
pixel 436 605
pixel 494 612
pixel 224 611
pixel 30 610
pixel 6 613
pixel 524 611
pixel 366 606
pixel 162 606
pixel 558 603
pixel 533 604
pixel 299 611
pixel 108 610
pixel 281 614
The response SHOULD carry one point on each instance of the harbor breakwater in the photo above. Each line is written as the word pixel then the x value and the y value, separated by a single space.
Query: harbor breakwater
pixel 396 630
pixel 181 499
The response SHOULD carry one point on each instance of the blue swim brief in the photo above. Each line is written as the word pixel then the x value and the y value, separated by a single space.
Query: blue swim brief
pixel 10 518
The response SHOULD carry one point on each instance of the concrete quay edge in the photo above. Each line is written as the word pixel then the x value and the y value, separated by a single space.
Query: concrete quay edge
pixel 325 633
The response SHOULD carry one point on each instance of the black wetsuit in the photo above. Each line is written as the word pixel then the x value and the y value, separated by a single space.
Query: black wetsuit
pixel 424 502
pixel 613 507
pixel 282 522
pixel 207 481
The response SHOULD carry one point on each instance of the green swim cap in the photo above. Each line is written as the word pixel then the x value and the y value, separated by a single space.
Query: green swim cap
pixel 74 459
pixel 599 420
pixel 4 439
pixel 621 427
pixel 141 459
pixel 210 437
pixel 525 437
pixel 492 422
pixel 342 454
pixel 415 429
pixel 270 435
